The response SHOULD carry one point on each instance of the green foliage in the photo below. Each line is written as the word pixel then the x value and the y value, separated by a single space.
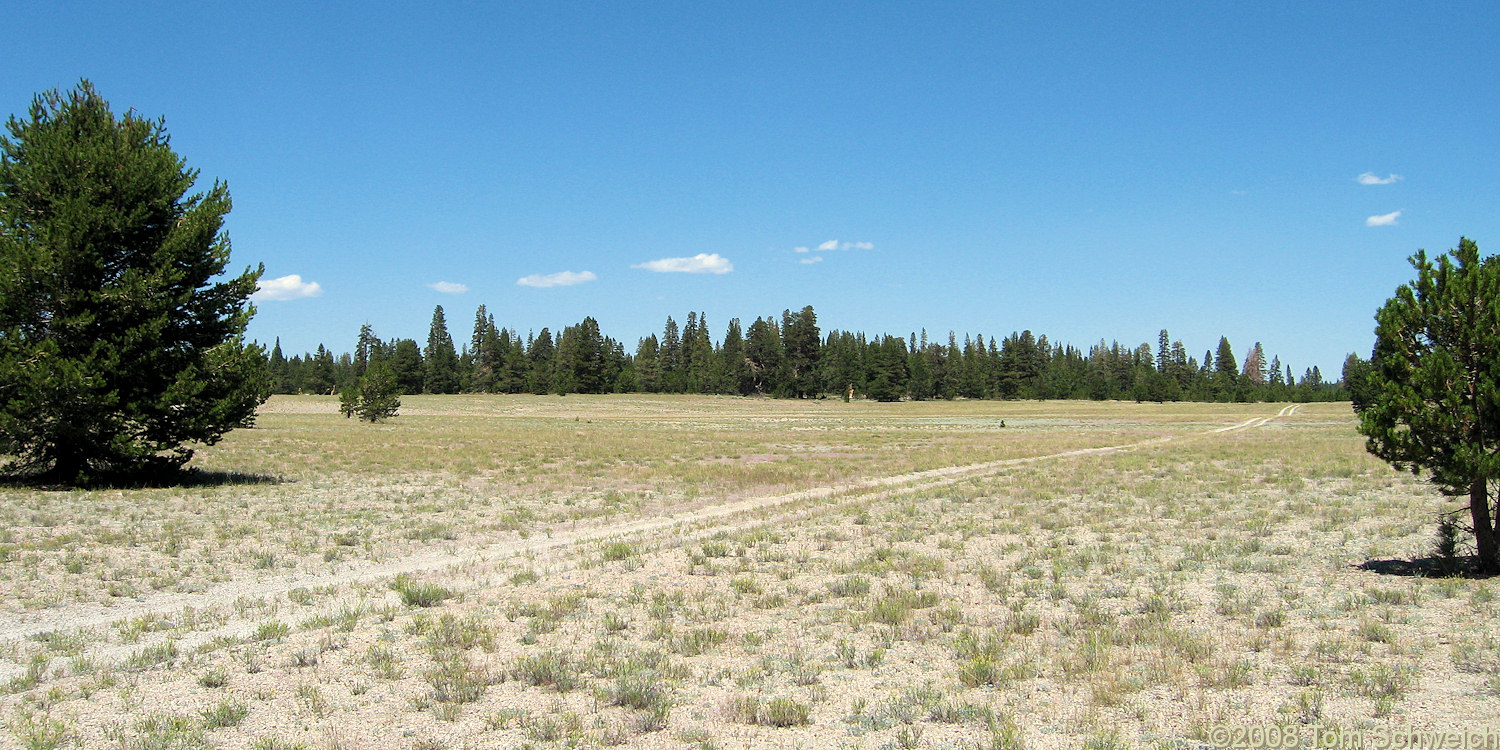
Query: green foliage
pixel 550 669
pixel 117 345
pixel 888 371
pixel 162 732
pixel 377 395
pixel 226 713
pixel 1357 380
pixel 440 362
pixel 40 732
pixel 406 365
pixel 787 359
pixel 417 594
pixel 1432 399
pixel 800 340
pixel 776 712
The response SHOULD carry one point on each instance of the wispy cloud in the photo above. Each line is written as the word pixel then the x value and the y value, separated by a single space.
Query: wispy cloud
pixel 1370 178
pixel 1383 220
pixel 448 287
pixel 561 278
pixel 700 263
pixel 812 260
pixel 286 288
pixel 836 245
pixel 799 250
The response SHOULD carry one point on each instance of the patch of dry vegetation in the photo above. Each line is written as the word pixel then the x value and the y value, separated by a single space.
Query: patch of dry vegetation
pixel 1133 598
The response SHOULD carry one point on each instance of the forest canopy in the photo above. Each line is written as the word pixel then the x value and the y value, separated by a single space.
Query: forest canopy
pixel 788 356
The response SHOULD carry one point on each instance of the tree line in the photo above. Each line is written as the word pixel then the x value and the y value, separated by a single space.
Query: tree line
pixel 789 357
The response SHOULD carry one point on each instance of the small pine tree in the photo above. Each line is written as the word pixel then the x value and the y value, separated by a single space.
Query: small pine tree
pixel 349 398
pixel 379 394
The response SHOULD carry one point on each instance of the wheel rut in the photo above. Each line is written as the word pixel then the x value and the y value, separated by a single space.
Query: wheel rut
pixel 555 547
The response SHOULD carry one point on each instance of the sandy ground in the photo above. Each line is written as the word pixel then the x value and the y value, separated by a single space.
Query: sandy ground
pixel 1166 592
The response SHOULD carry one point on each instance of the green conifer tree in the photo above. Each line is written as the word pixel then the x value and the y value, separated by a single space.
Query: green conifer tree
pixel 735 367
pixel 439 362
pixel 121 339
pixel 541 353
pixel 648 365
pixel 379 393
pixel 405 360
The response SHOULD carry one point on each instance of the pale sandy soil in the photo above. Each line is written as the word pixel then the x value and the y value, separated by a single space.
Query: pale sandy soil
pixel 1133 592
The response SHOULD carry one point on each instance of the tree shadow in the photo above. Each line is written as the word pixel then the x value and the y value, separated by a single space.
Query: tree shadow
pixel 1466 566
pixel 192 477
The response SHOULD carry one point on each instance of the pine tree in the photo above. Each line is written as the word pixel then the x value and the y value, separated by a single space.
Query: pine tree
pixel 670 356
pixel 483 350
pixel 379 394
pixel 440 362
pixel 1254 371
pixel 888 374
pixel 702 364
pixel 320 379
pixel 405 361
pixel 736 370
pixel 685 363
pixel 1226 371
pixel 277 370
pixel 800 342
pixel 919 369
pixel 367 346
pixel 541 353
pixel 516 369
pixel 764 355
pixel 1432 403
pixel 580 359
pixel 121 339
pixel 648 365
pixel 1356 380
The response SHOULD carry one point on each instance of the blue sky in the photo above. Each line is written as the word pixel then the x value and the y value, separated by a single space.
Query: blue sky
pixel 1083 170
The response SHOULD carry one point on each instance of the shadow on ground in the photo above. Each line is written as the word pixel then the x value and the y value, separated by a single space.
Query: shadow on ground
pixel 188 478
pixel 1427 567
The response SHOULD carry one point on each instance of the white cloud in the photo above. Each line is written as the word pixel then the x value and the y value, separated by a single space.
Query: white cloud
pixel 285 288
pixel 836 245
pixel 1370 178
pixel 799 249
pixel 810 261
pixel 561 278
pixel 448 287
pixel 700 263
pixel 1384 220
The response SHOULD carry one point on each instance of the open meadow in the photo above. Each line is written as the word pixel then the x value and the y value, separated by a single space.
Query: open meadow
pixel 713 572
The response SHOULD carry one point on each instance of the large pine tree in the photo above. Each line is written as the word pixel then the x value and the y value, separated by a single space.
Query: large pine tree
pixel 801 342
pixel 120 338
pixel 1431 398
pixel 440 361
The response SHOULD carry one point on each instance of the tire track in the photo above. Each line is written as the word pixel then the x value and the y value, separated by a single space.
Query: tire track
pixel 557 544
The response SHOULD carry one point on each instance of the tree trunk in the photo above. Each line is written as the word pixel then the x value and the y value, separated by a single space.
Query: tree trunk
pixel 1484 528
pixel 67 465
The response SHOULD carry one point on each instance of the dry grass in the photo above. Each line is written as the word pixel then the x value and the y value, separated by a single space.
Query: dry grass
pixel 1132 598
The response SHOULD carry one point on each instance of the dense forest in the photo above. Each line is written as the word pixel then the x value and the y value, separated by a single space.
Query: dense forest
pixel 791 358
